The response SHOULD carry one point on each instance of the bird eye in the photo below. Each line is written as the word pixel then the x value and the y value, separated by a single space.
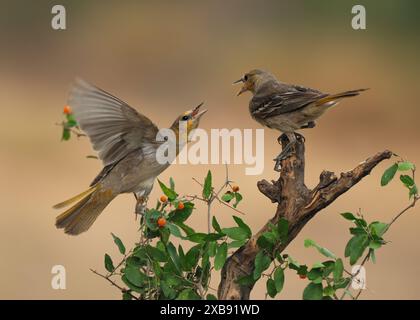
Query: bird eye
pixel 246 77
pixel 185 118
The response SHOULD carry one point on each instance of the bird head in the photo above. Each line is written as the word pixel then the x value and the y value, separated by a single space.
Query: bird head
pixel 253 80
pixel 190 118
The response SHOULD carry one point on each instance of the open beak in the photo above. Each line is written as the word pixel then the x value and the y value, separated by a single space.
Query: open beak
pixel 197 113
pixel 243 89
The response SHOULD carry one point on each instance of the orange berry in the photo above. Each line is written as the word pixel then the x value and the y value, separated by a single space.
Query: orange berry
pixel 235 188
pixel 161 222
pixel 67 110
pixel 181 206
pixel 302 276
pixel 163 198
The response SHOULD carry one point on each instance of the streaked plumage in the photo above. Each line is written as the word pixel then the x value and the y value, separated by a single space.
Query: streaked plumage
pixel 284 107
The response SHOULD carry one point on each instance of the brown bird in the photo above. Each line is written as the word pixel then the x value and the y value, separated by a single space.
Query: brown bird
pixel 286 107
pixel 127 144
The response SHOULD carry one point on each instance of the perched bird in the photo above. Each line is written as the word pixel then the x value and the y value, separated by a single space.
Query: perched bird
pixel 286 107
pixel 126 143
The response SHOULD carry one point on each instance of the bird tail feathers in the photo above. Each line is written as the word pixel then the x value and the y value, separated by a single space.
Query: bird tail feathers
pixel 88 206
pixel 338 96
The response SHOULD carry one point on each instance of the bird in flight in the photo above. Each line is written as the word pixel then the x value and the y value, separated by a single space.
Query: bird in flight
pixel 126 142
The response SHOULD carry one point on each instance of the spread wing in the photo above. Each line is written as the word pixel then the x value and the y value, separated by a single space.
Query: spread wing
pixel 113 127
pixel 283 101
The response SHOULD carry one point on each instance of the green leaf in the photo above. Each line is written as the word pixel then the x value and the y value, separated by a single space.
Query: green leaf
pixel 315 275
pixel 324 251
pixel 355 247
pixel 405 166
pixel 327 253
pixel 216 225
pixel 192 257
pixel 126 296
pixel 172 183
pixel 349 216
pixel 119 244
pixel 328 291
pixel 375 244
pixel 174 230
pixel 171 279
pixel 271 288
pixel 329 268
pixel 246 280
pixel 342 283
pixel 357 230
pixel 262 262
pixel 181 215
pixel 156 254
pixel 372 255
pixel 71 121
pixel 413 191
pixel 221 256
pixel 171 194
pixel 188 230
pixel 389 174
pixel 174 256
pixel 318 265
pixel 338 270
pixel 308 243
pixel 164 235
pixel 109 266
pixel 207 188
pixel 378 228
pixel 211 297
pixel 279 279
pixel 66 134
pixel 151 218
pixel 131 285
pixel 228 196
pixel 243 226
pixel 236 243
pixel 283 229
pixel 157 269
pixel 238 198
pixel 169 292
pixel 407 180
pixel 212 248
pixel 313 291
pixel 135 277
pixel 197 237
pixel 235 233
pixel 213 236
pixel 136 261
pixel 267 240
pixel 188 294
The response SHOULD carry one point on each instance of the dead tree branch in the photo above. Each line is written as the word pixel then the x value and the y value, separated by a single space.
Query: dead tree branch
pixel 297 204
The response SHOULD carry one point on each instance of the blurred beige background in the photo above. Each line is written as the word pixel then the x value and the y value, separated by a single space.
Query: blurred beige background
pixel 163 57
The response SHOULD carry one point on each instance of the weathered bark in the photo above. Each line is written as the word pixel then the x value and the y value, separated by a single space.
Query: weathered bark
pixel 297 204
